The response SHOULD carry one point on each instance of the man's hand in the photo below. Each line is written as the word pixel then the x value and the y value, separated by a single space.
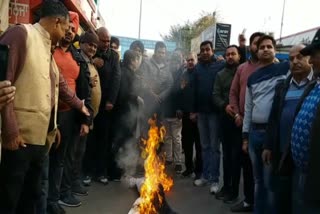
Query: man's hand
pixel 267 156
pixel 84 130
pixel 20 142
pixel 220 58
pixel 94 81
pixel 98 62
pixel 84 109
pixel 57 140
pixel 238 121
pixel 109 106
pixel 156 97
pixel 179 114
pixel 230 110
pixel 7 93
pixel 245 146
pixel 193 117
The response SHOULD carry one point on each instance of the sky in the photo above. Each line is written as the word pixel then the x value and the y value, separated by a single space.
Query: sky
pixel 122 16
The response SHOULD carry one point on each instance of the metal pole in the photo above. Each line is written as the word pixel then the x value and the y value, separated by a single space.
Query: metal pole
pixel 283 9
pixel 140 19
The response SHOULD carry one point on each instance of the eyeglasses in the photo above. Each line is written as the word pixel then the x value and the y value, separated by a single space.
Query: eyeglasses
pixel 190 60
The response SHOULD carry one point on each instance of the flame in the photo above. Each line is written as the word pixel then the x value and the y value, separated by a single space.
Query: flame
pixel 154 171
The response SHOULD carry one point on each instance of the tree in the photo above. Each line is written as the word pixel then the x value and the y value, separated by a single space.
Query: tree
pixel 183 34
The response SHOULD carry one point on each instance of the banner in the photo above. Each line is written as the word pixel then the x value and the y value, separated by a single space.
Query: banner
pixel 222 40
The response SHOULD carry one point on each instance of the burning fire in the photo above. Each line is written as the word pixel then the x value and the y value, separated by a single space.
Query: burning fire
pixel 155 175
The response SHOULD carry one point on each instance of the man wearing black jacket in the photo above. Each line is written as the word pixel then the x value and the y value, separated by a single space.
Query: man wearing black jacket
pixel 107 62
pixel 287 95
pixel 190 132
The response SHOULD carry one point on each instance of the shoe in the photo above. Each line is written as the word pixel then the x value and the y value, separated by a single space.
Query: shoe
pixel 187 173
pixel 70 201
pixel 103 180
pixel 178 168
pixel 87 181
pixel 241 207
pixel 200 182
pixel 55 208
pixel 221 194
pixel 214 188
pixel 79 191
pixel 230 198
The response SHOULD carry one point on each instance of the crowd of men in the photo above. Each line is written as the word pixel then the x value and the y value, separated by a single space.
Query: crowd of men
pixel 71 113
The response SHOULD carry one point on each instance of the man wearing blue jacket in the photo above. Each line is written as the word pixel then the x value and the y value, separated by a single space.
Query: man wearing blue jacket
pixel 206 71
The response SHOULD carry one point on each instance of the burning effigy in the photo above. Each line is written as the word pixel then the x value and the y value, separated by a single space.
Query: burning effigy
pixel 156 182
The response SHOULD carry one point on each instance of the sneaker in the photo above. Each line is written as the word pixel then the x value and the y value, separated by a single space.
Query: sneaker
pixel 87 181
pixel 214 188
pixel 79 191
pixel 178 168
pixel 55 208
pixel 70 201
pixel 200 182
pixel 230 198
pixel 103 180
pixel 187 173
pixel 241 207
pixel 221 194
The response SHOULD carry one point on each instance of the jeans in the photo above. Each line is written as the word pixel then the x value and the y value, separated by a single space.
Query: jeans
pixel 208 124
pixel 20 179
pixel 57 156
pixel 264 197
pixel 299 205
pixel 172 140
pixel 42 203
pixel 190 137
pixel 231 145
pixel 79 150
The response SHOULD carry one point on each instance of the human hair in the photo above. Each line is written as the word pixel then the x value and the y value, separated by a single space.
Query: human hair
pixel 115 40
pixel 234 46
pixel 53 8
pixel 159 45
pixel 138 44
pixel 254 35
pixel 266 37
pixel 129 56
pixel 205 43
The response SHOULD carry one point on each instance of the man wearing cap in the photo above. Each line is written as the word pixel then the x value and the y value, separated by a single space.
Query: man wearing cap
pixel 301 157
pixel 71 125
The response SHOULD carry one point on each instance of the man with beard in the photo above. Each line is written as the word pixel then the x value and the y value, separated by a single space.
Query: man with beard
pixel 231 134
pixel 29 122
pixel 237 100
pixel 259 96
pixel 75 70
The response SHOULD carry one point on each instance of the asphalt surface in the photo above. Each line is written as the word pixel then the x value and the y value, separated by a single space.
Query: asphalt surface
pixel 117 198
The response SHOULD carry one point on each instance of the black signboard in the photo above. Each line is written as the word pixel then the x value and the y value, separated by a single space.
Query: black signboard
pixel 223 33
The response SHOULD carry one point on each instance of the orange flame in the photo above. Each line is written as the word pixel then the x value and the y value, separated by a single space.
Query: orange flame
pixel 154 171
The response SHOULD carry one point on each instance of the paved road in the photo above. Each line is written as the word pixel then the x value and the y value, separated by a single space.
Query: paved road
pixel 116 198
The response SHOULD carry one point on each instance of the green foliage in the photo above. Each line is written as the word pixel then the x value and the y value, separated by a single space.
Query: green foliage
pixel 183 34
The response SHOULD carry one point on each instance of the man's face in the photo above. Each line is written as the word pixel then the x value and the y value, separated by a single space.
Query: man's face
pixel 138 50
pixel 104 41
pixel 298 62
pixel 315 61
pixel 206 52
pixel 60 28
pixel 160 55
pixel 135 64
pixel 70 34
pixel 266 51
pixel 253 47
pixel 89 49
pixel 232 56
pixel 191 61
